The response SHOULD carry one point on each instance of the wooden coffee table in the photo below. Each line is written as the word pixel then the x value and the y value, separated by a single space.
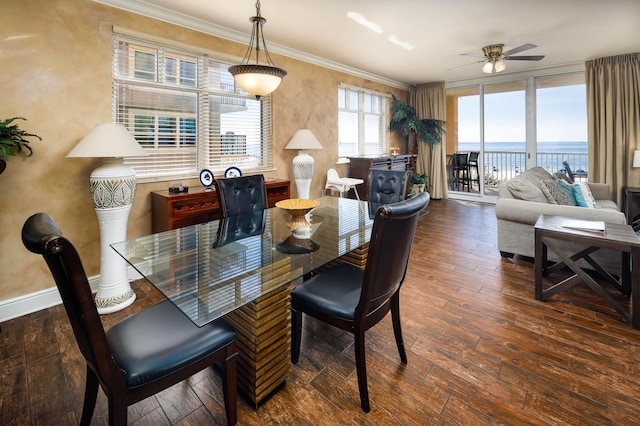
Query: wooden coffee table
pixel 622 238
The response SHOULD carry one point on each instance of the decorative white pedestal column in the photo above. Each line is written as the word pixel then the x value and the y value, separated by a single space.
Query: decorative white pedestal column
pixel 112 189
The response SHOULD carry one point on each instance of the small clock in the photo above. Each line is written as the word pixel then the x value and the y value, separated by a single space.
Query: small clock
pixel 232 172
pixel 206 178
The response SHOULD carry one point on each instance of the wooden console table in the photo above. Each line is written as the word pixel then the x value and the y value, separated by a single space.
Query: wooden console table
pixel 359 168
pixel 170 210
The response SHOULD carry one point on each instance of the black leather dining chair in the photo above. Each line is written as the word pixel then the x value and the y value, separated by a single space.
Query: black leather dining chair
pixel 143 354
pixel 388 186
pixel 354 299
pixel 234 228
pixel 241 195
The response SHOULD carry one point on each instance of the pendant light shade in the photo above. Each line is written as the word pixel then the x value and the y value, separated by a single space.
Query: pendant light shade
pixel 255 78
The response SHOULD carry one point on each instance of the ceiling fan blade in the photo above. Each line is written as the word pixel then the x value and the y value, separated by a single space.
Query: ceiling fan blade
pixel 464 66
pixel 524 58
pixel 473 55
pixel 519 49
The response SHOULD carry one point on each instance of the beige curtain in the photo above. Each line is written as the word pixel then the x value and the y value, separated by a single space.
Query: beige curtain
pixel 613 114
pixel 430 101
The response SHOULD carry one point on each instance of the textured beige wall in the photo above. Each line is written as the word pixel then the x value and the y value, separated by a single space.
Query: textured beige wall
pixel 56 72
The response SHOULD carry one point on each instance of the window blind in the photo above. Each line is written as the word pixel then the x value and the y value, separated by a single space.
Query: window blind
pixel 186 111
pixel 362 122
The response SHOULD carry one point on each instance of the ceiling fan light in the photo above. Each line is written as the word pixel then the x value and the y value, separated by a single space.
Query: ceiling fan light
pixel 500 65
pixel 488 68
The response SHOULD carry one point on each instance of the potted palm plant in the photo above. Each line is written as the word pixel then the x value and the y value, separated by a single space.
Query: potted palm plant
pixel 405 118
pixel 13 140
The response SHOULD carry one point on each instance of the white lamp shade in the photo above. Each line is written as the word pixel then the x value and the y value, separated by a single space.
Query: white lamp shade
pixel 636 158
pixel 303 140
pixel 488 67
pixel 108 140
pixel 258 80
pixel 500 65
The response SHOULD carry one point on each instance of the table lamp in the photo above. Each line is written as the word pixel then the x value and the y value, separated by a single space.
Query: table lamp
pixel 112 187
pixel 303 140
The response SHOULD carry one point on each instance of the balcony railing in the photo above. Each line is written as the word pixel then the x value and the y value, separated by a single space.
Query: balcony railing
pixel 500 165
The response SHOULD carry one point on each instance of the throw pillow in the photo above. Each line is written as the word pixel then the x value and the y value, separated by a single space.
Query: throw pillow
pixel 583 196
pixel 539 173
pixel 523 187
pixel 568 189
pixel 555 194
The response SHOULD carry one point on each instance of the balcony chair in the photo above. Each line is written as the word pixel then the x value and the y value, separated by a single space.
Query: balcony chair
pixel 573 175
pixel 353 299
pixel 460 169
pixel 241 195
pixel 342 185
pixel 143 354
pixel 473 170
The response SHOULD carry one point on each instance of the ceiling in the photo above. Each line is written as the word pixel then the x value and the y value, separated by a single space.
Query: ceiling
pixel 565 31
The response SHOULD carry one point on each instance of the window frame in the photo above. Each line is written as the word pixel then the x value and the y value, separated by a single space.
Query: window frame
pixel 176 92
pixel 363 115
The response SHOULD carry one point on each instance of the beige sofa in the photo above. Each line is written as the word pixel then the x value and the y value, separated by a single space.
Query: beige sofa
pixel 522 200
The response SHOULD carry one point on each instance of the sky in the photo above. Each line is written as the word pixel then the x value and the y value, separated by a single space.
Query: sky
pixel 561 116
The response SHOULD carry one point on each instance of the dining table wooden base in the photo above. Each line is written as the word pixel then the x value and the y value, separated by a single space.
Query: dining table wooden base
pixel 263 330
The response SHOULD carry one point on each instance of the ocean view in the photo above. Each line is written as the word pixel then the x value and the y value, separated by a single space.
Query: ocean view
pixel 553 147
pixel 506 159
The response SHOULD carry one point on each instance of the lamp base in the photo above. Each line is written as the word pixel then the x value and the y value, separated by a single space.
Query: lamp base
pixel 112 190
pixel 303 173
pixel 110 305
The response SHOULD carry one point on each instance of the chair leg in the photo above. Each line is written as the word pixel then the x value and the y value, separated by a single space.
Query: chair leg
pixel 397 328
pixel 356 191
pixel 229 386
pixel 90 395
pixel 117 410
pixel 361 370
pixel 296 335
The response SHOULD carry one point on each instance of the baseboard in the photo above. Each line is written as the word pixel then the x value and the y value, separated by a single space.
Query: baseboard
pixel 43 299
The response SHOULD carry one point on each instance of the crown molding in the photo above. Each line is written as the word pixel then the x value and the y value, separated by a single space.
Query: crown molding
pixel 141 7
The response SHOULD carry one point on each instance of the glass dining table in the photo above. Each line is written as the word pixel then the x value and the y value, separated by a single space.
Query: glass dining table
pixel 242 267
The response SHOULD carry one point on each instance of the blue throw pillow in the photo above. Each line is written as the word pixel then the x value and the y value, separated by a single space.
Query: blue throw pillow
pixel 583 196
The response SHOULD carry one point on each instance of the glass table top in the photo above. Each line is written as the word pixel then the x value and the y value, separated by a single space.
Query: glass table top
pixel 211 269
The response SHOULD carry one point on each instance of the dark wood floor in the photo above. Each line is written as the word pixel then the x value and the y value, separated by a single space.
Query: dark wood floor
pixel 481 350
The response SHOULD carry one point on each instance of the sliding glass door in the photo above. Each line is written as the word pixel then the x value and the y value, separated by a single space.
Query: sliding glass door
pixel 513 125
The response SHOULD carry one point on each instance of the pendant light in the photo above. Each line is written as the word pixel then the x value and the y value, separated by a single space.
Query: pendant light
pixel 256 79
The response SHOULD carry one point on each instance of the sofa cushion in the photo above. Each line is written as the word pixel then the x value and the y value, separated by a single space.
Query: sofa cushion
pixel 555 194
pixel 583 196
pixel 526 186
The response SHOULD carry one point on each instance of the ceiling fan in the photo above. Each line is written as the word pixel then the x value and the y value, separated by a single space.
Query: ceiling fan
pixel 494 57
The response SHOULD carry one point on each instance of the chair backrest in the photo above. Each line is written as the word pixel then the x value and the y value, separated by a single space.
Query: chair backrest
pixel 389 248
pixel 388 186
pixel 460 161
pixel 569 171
pixel 234 228
pixel 241 195
pixel 473 158
pixel 332 175
pixel 41 235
